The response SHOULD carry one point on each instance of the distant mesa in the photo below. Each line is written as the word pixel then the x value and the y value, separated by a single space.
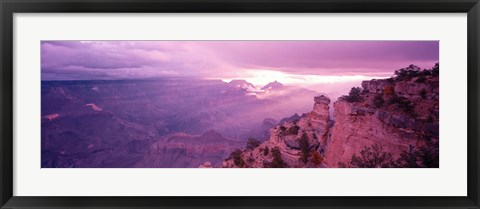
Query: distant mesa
pixel 273 85
pixel 94 107
pixel 241 83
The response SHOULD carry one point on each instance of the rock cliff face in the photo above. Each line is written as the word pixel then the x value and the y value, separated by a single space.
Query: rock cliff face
pixel 408 116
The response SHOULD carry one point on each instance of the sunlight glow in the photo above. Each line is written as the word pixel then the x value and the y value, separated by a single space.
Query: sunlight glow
pixel 262 77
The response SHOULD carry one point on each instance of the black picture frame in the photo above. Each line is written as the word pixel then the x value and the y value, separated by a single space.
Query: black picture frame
pixel 10 7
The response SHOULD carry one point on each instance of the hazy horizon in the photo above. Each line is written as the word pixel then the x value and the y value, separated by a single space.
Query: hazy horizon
pixel 300 63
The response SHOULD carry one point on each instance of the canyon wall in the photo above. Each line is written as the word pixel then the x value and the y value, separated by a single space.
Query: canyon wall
pixel 407 117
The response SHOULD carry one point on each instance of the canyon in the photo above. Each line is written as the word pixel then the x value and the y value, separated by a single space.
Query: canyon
pixel 391 122
pixel 210 123
pixel 124 123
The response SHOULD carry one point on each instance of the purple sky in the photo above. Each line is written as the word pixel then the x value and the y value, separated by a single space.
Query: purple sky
pixel 257 61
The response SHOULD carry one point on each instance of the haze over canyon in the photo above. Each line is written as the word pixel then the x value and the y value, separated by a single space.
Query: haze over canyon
pixel 240 104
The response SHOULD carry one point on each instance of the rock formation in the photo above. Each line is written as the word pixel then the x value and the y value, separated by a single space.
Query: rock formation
pixel 408 116
pixel 391 122
pixel 289 141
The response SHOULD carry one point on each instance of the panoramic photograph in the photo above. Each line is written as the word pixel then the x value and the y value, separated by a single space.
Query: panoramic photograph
pixel 239 104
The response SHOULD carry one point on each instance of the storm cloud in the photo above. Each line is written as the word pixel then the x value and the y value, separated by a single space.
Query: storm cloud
pixel 74 60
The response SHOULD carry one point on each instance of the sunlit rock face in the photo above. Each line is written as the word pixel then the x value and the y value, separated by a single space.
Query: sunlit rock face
pixel 319 117
pixel 357 127
pixel 391 125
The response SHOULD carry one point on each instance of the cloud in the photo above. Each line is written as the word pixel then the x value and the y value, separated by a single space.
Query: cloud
pixel 225 59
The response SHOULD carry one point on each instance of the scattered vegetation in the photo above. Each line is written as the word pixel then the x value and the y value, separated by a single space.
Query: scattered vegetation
pixel 408 72
pixel 293 130
pixel 402 103
pixel 378 101
pixel 317 159
pixel 252 143
pixel 435 69
pixel 375 157
pixel 372 157
pixel 250 159
pixel 414 71
pixel 354 95
pixel 277 161
pixel 283 131
pixel 425 157
pixel 429 155
pixel 421 79
pixel 237 158
pixel 304 148
pixel 265 151
pixel 408 159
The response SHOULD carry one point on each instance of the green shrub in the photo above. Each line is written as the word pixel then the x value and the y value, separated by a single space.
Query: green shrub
pixel 304 147
pixel 237 158
pixel 252 144
pixel 408 159
pixel 429 155
pixel 435 69
pixel 250 159
pixel 372 157
pixel 407 73
pixel 265 151
pixel 425 157
pixel 402 103
pixel 354 95
pixel 277 161
pixel 293 130
pixel 378 101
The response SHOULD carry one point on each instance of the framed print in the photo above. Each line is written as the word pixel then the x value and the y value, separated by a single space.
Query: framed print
pixel 263 104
